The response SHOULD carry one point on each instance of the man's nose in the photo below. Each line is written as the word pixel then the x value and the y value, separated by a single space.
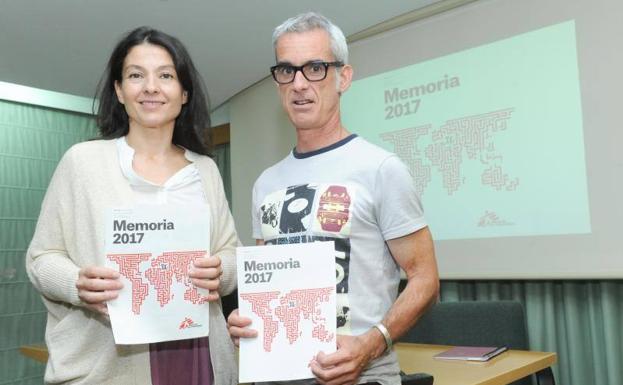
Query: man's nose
pixel 300 81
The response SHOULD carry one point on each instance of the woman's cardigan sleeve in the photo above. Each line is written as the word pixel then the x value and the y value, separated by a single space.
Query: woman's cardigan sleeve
pixel 50 268
pixel 224 239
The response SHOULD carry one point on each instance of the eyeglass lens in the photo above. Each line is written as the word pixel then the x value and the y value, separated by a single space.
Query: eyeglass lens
pixel 311 71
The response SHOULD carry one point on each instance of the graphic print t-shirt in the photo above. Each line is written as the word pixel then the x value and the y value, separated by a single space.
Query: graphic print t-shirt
pixel 355 194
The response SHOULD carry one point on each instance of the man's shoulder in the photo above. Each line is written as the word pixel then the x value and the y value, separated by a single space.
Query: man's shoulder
pixel 275 170
pixel 364 144
pixel 368 152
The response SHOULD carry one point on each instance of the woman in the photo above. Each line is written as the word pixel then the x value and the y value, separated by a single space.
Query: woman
pixel 151 117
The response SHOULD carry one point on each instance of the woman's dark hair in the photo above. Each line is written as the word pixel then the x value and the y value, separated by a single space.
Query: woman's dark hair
pixel 192 126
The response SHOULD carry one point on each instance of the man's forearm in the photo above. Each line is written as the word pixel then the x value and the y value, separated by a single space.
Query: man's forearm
pixel 420 293
pixel 415 253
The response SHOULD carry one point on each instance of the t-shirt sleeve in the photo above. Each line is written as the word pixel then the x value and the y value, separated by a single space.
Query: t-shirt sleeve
pixel 398 206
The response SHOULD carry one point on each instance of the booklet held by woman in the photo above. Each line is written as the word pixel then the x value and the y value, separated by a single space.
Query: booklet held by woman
pixel 471 353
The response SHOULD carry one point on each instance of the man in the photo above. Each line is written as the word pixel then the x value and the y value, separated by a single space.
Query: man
pixel 335 186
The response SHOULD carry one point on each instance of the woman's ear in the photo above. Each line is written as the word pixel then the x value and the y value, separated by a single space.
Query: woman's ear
pixel 118 92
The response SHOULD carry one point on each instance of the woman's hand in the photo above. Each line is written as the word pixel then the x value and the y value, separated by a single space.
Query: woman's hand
pixel 238 327
pixel 206 273
pixel 96 285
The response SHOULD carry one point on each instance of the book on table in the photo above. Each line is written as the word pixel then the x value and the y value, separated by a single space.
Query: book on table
pixel 471 353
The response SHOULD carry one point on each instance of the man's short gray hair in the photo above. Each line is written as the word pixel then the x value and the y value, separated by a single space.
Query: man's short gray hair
pixel 309 21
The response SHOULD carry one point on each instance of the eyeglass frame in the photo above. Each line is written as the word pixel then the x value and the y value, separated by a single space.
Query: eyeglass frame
pixel 296 69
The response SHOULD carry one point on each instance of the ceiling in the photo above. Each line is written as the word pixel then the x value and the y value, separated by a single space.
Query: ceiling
pixel 63 45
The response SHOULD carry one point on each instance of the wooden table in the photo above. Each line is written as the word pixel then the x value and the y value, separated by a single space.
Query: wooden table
pixel 417 358
pixel 36 352
pixel 503 369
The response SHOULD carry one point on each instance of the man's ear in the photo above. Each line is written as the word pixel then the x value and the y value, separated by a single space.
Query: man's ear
pixel 118 92
pixel 346 78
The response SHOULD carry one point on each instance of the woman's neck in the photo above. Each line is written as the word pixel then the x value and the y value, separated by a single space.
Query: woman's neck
pixel 151 142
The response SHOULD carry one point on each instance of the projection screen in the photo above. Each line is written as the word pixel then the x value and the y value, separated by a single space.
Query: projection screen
pixel 506 113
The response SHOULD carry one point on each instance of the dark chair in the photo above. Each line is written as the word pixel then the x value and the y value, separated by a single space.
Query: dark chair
pixel 476 323
pixel 229 303
pixel 416 379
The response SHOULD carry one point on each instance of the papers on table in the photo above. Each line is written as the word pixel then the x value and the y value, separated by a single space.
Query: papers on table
pixel 289 293
pixel 471 353
pixel 153 247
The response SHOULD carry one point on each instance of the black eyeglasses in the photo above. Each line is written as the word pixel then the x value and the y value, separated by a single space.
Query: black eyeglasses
pixel 314 71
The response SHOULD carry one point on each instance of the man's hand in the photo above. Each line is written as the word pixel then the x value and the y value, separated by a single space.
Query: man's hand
pixel 206 273
pixel 96 285
pixel 353 355
pixel 238 327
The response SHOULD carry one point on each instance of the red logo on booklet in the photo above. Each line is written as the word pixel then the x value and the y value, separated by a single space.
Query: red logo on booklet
pixel 188 323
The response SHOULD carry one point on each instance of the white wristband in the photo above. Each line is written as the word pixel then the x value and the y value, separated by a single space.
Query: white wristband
pixel 385 333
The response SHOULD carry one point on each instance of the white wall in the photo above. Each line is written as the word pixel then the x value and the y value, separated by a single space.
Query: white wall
pixel 220 115
pixel 261 135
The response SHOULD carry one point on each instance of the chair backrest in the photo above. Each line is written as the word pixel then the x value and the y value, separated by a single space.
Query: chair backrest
pixel 473 323
pixel 416 379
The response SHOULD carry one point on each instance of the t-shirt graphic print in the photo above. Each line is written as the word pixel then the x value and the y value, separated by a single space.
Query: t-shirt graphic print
pixel 310 213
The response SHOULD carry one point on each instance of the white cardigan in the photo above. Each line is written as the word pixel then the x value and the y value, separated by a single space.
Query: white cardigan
pixel 70 235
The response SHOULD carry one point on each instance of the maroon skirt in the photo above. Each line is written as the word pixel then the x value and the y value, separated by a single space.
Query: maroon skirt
pixel 182 362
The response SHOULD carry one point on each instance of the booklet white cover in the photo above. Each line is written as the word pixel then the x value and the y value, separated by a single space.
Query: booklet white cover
pixel 289 293
pixel 153 247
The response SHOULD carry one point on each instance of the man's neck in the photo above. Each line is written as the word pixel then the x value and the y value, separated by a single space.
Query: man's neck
pixel 313 139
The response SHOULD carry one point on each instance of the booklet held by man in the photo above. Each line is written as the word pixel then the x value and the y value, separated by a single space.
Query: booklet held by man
pixel 471 353
pixel 288 291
